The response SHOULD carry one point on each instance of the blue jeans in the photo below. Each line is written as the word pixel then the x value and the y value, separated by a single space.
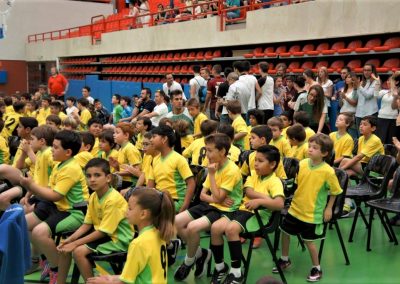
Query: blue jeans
pixel 232 15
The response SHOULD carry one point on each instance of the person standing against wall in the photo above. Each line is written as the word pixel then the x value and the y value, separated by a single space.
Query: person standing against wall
pixel 57 84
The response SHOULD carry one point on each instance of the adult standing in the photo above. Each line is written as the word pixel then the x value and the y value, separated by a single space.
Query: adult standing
pixel 171 85
pixel 144 9
pixel 160 110
pixel 327 86
pixel 367 102
pixel 266 100
pixel 212 88
pixel 86 94
pixel 57 84
pixel 387 115
pixel 250 81
pixel 179 111
pixel 396 100
pixel 309 76
pixel 348 101
pixel 196 83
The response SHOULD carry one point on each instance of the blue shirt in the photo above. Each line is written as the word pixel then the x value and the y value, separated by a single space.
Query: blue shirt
pixel 127 112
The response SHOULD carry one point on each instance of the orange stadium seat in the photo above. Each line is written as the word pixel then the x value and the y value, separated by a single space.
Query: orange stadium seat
pixel 375 42
pixel 150 57
pixel 163 69
pixel 304 50
pixel 150 70
pixel 184 81
pixel 139 58
pixel 292 49
pixel 157 79
pixel 156 57
pixel 151 80
pixel 177 69
pixel 217 53
pixel 390 43
pixel 293 65
pixel 350 47
pixel 145 58
pixel 139 70
pixel 319 49
pixel 163 57
pixel 334 48
pixel 170 69
pixel 170 56
pixel 391 64
pixel 269 51
pixel 200 55
pixel 184 69
pixel 304 66
pixel 145 69
pixel 184 56
pixel 145 79
pixel 192 55
pixel 355 63
pixel 336 66
pixel 156 69
pixel 208 55
pixel 177 56
pixel 375 62
pixel 133 70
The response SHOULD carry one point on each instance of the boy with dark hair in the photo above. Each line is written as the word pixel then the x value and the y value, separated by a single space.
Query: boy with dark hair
pixel 95 127
pixel 4 150
pixel 117 109
pixel 193 106
pixel 55 212
pixel 234 152
pixel 44 111
pixel 309 208
pixel 101 112
pixel 71 108
pixel 276 126
pixel 84 116
pixel 11 120
pixel 126 114
pixel 262 189
pixel 53 120
pixel 143 124
pixel 85 155
pixel 297 139
pixel 223 181
pixel 239 125
pixel 256 117
pixel 56 109
pixel 303 118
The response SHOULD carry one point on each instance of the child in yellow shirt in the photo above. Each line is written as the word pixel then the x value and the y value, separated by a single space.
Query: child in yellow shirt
pixel 241 138
pixel 193 106
pixel 84 155
pixel 297 138
pixel 276 126
pixel 343 143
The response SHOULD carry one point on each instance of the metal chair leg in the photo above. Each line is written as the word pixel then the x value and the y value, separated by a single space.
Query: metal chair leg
pixel 390 228
pixel 271 249
pixel 247 261
pixel 385 225
pixel 339 233
pixel 371 218
pixel 321 246
pixel 353 226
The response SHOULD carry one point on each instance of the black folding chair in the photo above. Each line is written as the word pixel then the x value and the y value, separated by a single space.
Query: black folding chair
pixel 382 207
pixel 390 150
pixel 337 212
pixel 371 187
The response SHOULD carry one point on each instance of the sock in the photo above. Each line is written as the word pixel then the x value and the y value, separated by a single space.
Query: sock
pixel 219 266
pixel 285 258
pixel 54 269
pixel 199 253
pixel 317 267
pixel 189 260
pixel 236 271
pixel 235 248
pixel 218 252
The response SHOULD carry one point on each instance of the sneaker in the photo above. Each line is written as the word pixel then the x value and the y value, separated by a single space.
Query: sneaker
pixel 219 276
pixel 283 264
pixel 46 271
pixel 183 272
pixel 231 279
pixel 53 277
pixel 348 211
pixel 315 275
pixel 35 266
pixel 257 242
pixel 202 262
pixel 173 252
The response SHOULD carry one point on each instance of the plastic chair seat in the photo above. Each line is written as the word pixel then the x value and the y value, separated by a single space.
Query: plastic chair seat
pixel 389 44
pixel 387 204
pixel 334 48
pixel 294 48
pixel 319 49
pixel 351 47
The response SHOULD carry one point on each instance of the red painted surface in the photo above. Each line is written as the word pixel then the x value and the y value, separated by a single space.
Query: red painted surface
pixel 16 76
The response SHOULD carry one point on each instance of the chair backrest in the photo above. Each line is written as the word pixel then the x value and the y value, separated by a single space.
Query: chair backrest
pixel 382 165
pixel 291 166
pixel 396 184
pixel 244 157
pixel 199 179
pixel 343 179
pixel 390 150
pixel 355 149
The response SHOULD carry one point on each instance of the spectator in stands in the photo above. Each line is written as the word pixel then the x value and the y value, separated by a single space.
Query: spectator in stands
pixel 101 112
pixel 179 111
pixel 222 90
pixel 171 85
pixel 266 100
pixel 250 81
pixel 281 71
pixel 144 9
pixel 212 87
pixel 86 94
pixel 290 91
pixel 160 110
pixel 233 13
pixel 57 84
pixel 326 84
pixel 196 83
pixel 309 76
pixel 237 91
pixel 127 109
pixel 144 105
pixel 396 100
pixel 279 93
pixel 301 94
pixel 339 85
pixel 169 14
pixel 386 127
pixel 159 20
pixel 367 104
pixel 348 101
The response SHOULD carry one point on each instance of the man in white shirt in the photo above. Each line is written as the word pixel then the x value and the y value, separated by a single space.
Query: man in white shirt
pixel 160 110
pixel 170 85
pixel 196 82
pixel 243 68
pixel 86 94
pixel 266 100
pixel 237 91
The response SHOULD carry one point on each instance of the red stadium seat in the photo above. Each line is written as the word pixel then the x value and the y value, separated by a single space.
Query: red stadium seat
pixel 304 50
pixel 150 70
pixel 134 69
pixel 375 62
pixel 269 51
pixel 392 64
pixel 375 42
pixel 139 70
pixel 281 49
pixel 291 51
pixel 208 55
pixel 145 79
pixel 184 69
pixel 177 56
pixel 192 56
pixel 200 55
pixel 334 48
pixel 134 58
pixel 304 66
pixel 157 80
pixel 178 80
pixel 350 47
pixel 156 69
pixel 156 57
pixel 184 81
pixel 217 53
pixel 184 56
pixel 177 69
pixel 390 43
pixel 336 66
pixel 353 64
pixel 151 80
pixel 163 57
pixel 150 57
pixel 170 69
pixel 139 58
pixel 319 49
pixel 145 58
pixel 293 65
pixel 163 69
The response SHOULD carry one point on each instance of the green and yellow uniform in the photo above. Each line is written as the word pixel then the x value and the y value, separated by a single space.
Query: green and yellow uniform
pixel 343 145
pixel 309 133
pixel 42 114
pixel 282 145
pixel 240 126
pixel 300 151
pixel 247 169
pixel 369 147
pixel 197 121
pixel 43 167
pixel 4 151
pixel 96 148
pixel 83 158
pixel 11 122
pixel 196 152
pixel 128 154
pixel 84 117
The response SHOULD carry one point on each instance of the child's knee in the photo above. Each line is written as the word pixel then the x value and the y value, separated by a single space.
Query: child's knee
pixel 80 251
pixel 233 230
pixel 41 231
pixel 193 228
pixel 217 229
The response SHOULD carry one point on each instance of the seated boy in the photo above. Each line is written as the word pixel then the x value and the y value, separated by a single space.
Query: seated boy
pixel 309 209
pixel 4 150
pixel 297 138
pixel 303 118
pixel 84 116
pixel 55 212
pixel 262 189
pixel 343 143
pixel 95 127
pixel 368 145
pixel 84 155
pixel 241 138
pixel 223 186
pixel 234 152
pixel 11 120
pixel 105 229
pixel 53 120
pixel 143 124
pixel 193 106
pixel 56 109
pixel 276 126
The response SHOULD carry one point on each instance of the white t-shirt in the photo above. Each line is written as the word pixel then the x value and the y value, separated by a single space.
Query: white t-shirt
pixel 197 82
pixel 347 107
pixel 266 100
pixel 325 86
pixel 238 91
pixel 250 82
pixel 71 110
pixel 90 99
pixel 162 111
pixel 175 86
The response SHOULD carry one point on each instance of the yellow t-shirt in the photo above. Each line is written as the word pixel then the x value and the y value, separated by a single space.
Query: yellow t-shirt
pixel 247 170
pixel 229 179
pixel 96 148
pixel 27 162
pixel 233 155
pixel 107 215
pixel 68 179
pixel 284 132
pixel 83 158
pixel 146 167
pixel 300 151
pixel 84 117
pixel 139 141
pixel 147 259
pixel 343 145
pixel 62 116
pixel 186 141
pixel 170 173
pixel 309 133
pixel 197 121
pixel 196 152
pixel 11 122
pixel 239 125
pixel 129 155
pixel 113 153
pixel 4 151
pixel 313 185
pixel 370 147
pixel 43 167
pixel 9 110
pixel 283 146
pixel 42 114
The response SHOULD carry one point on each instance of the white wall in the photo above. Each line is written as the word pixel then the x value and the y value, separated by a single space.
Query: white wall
pixel 311 20
pixel 34 16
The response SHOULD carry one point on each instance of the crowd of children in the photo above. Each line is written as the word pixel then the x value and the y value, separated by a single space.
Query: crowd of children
pixel 133 176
